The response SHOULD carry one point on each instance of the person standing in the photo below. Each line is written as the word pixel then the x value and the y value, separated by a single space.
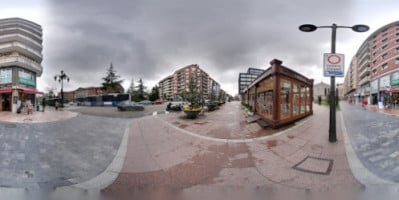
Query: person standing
pixel 56 105
pixel 43 104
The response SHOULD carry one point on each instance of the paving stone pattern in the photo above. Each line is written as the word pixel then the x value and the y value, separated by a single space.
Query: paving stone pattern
pixel 375 138
pixel 47 155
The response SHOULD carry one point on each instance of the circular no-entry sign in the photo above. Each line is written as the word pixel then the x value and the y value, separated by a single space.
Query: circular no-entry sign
pixel 333 59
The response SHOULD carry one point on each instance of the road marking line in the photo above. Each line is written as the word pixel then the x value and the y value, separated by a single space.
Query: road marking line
pixel 154 113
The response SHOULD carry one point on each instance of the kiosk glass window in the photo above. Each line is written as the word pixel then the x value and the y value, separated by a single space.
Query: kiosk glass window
pixel 303 99
pixel 260 102
pixel 251 99
pixel 269 104
pixel 308 101
pixel 296 99
pixel 285 99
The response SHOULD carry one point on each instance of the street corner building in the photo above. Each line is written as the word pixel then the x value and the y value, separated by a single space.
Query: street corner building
pixel 280 95
pixel 20 62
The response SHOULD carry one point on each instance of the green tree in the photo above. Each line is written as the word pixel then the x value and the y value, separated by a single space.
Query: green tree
pixel 140 93
pixel 154 95
pixel 192 95
pixel 111 81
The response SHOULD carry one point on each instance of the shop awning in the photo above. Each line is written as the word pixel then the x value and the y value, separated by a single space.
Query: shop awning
pixel 5 91
pixel 31 92
pixel 391 91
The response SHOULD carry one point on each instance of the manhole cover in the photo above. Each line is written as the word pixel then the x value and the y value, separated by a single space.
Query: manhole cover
pixel 315 165
pixel 11 125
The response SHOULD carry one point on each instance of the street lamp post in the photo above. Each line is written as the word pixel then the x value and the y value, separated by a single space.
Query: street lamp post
pixel 60 77
pixel 332 132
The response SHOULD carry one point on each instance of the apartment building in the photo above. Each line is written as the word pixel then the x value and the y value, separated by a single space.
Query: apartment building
pixel 173 86
pixel 20 62
pixel 378 67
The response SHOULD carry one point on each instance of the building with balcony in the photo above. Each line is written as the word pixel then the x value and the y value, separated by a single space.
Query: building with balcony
pixel 20 62
pixel 351 81
pixel 172 87
pixel 166 88
pixel 377 62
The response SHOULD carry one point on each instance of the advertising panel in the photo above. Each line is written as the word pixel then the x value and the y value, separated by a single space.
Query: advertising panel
pixel 5 75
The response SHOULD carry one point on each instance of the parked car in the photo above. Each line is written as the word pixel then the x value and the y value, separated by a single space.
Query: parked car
pixel 128 105
pixel 145 102
pixel 159 101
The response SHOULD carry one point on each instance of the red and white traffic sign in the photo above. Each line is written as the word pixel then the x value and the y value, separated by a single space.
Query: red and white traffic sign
pixel 334 64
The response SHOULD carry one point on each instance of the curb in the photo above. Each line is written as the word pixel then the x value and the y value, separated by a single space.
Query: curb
pixel 109 175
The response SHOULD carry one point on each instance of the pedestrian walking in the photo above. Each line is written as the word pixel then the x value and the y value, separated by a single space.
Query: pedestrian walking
pixel 364 104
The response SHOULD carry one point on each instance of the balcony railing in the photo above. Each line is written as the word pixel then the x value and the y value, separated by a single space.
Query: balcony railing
pixel 364 80
pixel 364 72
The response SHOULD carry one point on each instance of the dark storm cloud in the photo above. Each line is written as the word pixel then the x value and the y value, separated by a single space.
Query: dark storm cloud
pixel 151 39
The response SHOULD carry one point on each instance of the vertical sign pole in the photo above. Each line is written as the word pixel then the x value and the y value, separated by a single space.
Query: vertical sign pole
pixel 332 133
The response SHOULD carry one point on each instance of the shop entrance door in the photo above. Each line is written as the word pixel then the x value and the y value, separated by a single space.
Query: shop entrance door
pixel 6 102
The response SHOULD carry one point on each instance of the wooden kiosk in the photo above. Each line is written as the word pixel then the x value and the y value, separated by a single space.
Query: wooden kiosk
pixel 280 95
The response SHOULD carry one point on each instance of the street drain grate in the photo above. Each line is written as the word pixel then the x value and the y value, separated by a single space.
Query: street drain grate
pixel 315 165
pixel 11 126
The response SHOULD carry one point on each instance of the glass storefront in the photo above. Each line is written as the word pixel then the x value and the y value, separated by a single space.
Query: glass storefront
pixel 281 98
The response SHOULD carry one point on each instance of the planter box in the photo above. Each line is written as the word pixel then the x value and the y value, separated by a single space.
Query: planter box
pixel 192 114
pixel 211 107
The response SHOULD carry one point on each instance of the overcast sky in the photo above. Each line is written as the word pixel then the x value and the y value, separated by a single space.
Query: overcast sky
pixel 150 39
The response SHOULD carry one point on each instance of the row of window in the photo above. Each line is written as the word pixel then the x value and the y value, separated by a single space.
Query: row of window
pixel 293 100
pixel 24 76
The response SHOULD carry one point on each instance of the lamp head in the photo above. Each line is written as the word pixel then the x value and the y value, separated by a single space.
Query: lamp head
pixel 360 28
pixel 307 27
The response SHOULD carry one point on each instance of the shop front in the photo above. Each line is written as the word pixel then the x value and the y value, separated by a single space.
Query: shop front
pixel 17 86
pixel 374 92
pixel 395 89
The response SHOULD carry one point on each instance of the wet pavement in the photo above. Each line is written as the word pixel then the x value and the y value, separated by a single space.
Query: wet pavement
pixel 163 153
pixel 164 156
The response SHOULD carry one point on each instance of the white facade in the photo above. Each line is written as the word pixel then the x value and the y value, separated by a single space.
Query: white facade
pixel 20 61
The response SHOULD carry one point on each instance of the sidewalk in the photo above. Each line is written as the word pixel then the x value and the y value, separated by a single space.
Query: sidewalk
pixel 37 116
pixel 392 112
pixel 164 157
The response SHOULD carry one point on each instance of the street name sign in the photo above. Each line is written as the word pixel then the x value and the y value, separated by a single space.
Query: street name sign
pixel 334 64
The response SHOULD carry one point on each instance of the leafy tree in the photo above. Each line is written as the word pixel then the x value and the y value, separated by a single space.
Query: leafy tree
pixel 192 95
pixel 111 81
pixel 154 95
